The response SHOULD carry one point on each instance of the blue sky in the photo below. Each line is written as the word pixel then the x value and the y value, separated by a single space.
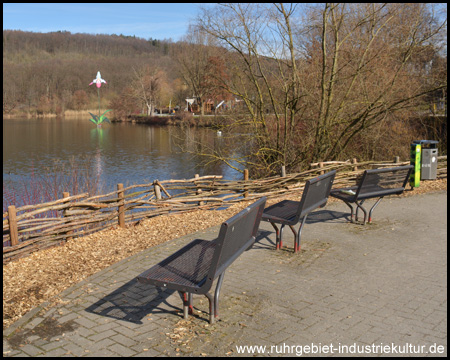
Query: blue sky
pixel 156 21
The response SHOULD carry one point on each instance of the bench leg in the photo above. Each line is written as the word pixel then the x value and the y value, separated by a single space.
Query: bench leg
pixel 191 307
pixel 216 295
pixel 211 307
pixel 214 300
pixel 297 234
pixel 351 211
pixel 373 208
pixel 295 237
pixel 354 214
pixel 278 234
pixel 359 206
pixel 280 243
pixel 187 305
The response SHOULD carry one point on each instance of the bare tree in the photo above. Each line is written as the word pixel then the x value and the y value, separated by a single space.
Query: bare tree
pixel 192 56
pixel 146 85
pixel 262 65
pixel 312 86
pixel 367 67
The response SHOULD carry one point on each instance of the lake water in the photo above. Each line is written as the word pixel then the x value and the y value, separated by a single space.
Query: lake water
pixel 118 153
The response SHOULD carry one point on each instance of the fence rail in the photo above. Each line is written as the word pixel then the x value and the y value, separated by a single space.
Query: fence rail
pixel 33 227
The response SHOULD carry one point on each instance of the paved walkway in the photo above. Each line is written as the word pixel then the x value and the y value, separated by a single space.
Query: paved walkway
pixel 378 288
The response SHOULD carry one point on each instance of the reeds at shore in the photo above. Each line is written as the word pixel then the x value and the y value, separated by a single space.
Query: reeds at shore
pixel 67 114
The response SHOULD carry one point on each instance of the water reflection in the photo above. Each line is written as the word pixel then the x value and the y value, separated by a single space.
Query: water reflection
pixel 97 136
pixel 120 152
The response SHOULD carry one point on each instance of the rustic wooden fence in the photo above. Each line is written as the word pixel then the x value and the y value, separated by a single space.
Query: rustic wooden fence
pixel 33 227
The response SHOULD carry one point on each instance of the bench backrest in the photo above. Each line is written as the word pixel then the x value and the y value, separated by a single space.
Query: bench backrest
pixel 236 235
pixel 316 193
pixel 382 182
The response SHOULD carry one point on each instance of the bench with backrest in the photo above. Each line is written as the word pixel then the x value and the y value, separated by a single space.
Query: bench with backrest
pixel 193 269
pixel 288 212
pixel 376 183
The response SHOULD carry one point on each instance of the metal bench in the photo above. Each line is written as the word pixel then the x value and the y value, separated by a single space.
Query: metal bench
pixel 376 183
pixel 289 212
pixel 193 269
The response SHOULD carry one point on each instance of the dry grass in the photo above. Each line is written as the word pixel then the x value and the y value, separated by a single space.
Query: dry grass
pixel 30 281
pixel 68 114
pixel 77 113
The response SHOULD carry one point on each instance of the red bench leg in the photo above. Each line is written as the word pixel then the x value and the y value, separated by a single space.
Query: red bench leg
pixel 297 234
pixel 278 234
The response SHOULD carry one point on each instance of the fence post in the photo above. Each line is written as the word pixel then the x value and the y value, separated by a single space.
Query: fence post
pixel 199 191
pixel 13 232
pixel 396 159
pixel 245 179
pixel 68 238
pixel 157 190
pixel 283 171
pixel 121 206
pixel 321 166
pixel 354 162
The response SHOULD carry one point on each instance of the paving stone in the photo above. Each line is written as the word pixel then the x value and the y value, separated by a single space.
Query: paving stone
pixel 31 350
pixel 103 344
pixel 125 341
pixel 101 353
pixel 56 352
pixel 74 349
pixel 369 337
pixel 102 335
pixel 121 350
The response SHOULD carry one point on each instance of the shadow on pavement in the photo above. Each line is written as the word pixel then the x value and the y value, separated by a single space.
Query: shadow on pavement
pixel 133 301
pixel 266 239
pixel 327 216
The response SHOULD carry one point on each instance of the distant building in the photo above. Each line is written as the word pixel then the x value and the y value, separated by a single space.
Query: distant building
pixel 194 105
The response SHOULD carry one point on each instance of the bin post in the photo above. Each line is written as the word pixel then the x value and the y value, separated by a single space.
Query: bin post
pixel 416 151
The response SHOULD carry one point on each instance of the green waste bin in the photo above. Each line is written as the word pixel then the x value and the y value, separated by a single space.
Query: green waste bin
pixel 424 159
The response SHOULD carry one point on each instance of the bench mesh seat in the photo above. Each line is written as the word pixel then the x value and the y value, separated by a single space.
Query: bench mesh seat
pixel 186 268
pixel 284 211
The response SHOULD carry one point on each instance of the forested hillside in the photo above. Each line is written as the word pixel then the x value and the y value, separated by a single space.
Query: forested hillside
pixel 51 72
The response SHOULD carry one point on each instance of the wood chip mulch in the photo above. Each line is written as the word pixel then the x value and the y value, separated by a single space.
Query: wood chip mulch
pixel 41 276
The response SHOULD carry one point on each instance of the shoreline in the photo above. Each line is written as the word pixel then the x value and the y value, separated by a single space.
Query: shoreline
pixel 184 118
pixel 178 119
pixel 67 114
